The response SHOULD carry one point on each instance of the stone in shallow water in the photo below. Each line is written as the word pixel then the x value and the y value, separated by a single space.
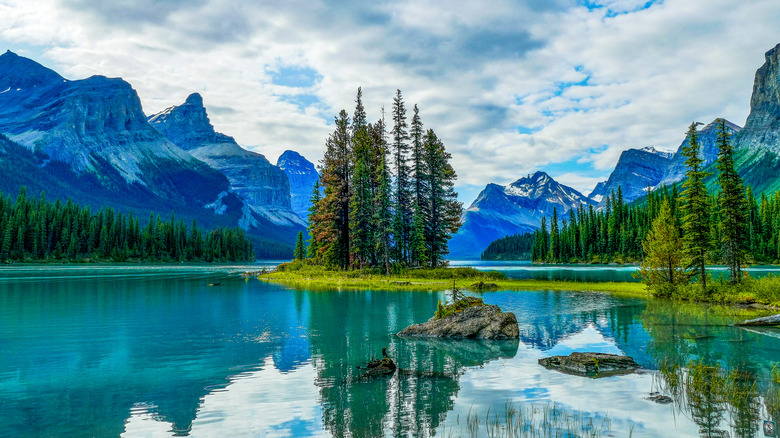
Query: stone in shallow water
pixel 591 364
pixel 483 322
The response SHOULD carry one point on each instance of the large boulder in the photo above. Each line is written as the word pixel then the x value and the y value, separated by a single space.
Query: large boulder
pixel 483 322
pixel 591 364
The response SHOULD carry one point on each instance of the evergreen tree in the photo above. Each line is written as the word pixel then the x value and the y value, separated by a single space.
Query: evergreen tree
pixel 300 248
pixel 333 211
pixel 382 203
pixel 361 204
pixel 443 206
pixel 695 217
pixel 662 268
pixel 403 209
pixel 733 206
pixel 314 240
pixel 553 255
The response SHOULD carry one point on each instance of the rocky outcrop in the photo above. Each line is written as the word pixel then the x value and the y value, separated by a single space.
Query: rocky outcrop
pixel 302 175
pixel 263 186
pixel 483 322
pixel 590 364
pixel 766 321
pixel 380 367
pixel 762 128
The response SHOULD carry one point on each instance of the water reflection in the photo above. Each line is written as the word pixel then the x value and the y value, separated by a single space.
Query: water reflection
pixel 165 355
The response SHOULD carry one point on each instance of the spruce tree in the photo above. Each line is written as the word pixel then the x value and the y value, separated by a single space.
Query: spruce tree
pixel 554 254
pixel 333 211
pixel 403 209
pixel 733 206
pixel 300 248
pixel 382 205
pixel 314 222
pixel 362 202
pixel 443 206
pixel 695 217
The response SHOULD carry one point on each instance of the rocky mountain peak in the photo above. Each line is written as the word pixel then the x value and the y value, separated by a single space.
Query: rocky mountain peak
pixel 302 175
pixel 18 72
pixel 187 125
pixel 762 128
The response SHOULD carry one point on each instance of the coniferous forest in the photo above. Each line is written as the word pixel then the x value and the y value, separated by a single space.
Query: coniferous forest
pixel 729 221
pixel 385 198
pixel 35 229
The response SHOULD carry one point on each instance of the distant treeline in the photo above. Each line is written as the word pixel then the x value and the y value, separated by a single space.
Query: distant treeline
pixel 514 247
pixel 35 229
pixel 619 231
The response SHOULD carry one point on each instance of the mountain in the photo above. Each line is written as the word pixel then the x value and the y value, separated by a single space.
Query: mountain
pixel 90 141
pixel 95 129
pixel 263 187
pixel 635 171
pixel 599 192
pixel 519 207
pixel 302 175
pixel 757 146
pixel 708 137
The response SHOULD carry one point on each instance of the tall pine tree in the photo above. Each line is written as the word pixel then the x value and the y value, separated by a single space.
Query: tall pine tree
pixel 733 206
pixel 403 208
pixel 695 209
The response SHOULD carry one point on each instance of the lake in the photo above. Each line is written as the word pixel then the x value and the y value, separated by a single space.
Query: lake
pixel 139 351
pixel 524 270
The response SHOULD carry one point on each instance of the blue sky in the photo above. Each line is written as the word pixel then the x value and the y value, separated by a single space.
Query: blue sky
pixel 510 86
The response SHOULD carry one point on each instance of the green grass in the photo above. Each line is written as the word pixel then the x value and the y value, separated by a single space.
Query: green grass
pixel 765 290
pixel 317 277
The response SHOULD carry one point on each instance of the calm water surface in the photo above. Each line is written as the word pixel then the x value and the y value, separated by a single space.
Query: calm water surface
pixel 141 351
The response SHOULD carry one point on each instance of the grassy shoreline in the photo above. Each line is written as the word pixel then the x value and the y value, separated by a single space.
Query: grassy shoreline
pixel 434 280
pixel 761 293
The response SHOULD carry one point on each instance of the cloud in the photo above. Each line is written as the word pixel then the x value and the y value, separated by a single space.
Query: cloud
pixel 510 87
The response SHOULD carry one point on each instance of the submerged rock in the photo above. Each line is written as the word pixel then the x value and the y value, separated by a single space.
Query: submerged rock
pixel 481 321
pixel 767 321
pixel 659 398
pixel 380 367
pixel 591 364
pixel 484 286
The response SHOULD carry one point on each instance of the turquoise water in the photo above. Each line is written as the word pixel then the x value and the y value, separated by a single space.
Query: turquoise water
pixel 155 351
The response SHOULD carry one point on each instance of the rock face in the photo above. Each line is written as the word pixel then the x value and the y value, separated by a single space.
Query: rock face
pixel 95 126
pixel 767 321
pixel 591 364
pixel 263 186
pixel 483 322
pixel 762 128
pixel 302 175
pixel 517 208
pixel 91 139
pixel 757 145
pixel 635 171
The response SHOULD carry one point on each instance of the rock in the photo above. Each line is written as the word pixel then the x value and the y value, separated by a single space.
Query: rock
pixel 590 364
pixel 659 398
pixel 484 286
pixel 766 321
pixel 484 322
pixel 380 367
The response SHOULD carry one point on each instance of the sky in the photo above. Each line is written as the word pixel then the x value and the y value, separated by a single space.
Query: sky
pixel 510 87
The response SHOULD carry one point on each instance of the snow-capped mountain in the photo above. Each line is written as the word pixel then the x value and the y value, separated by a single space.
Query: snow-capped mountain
pixel 302 175
pixel 519 207
pixel 263 187
pixel 635 172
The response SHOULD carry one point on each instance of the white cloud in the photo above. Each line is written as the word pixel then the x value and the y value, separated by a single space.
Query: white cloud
pixel 478 71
